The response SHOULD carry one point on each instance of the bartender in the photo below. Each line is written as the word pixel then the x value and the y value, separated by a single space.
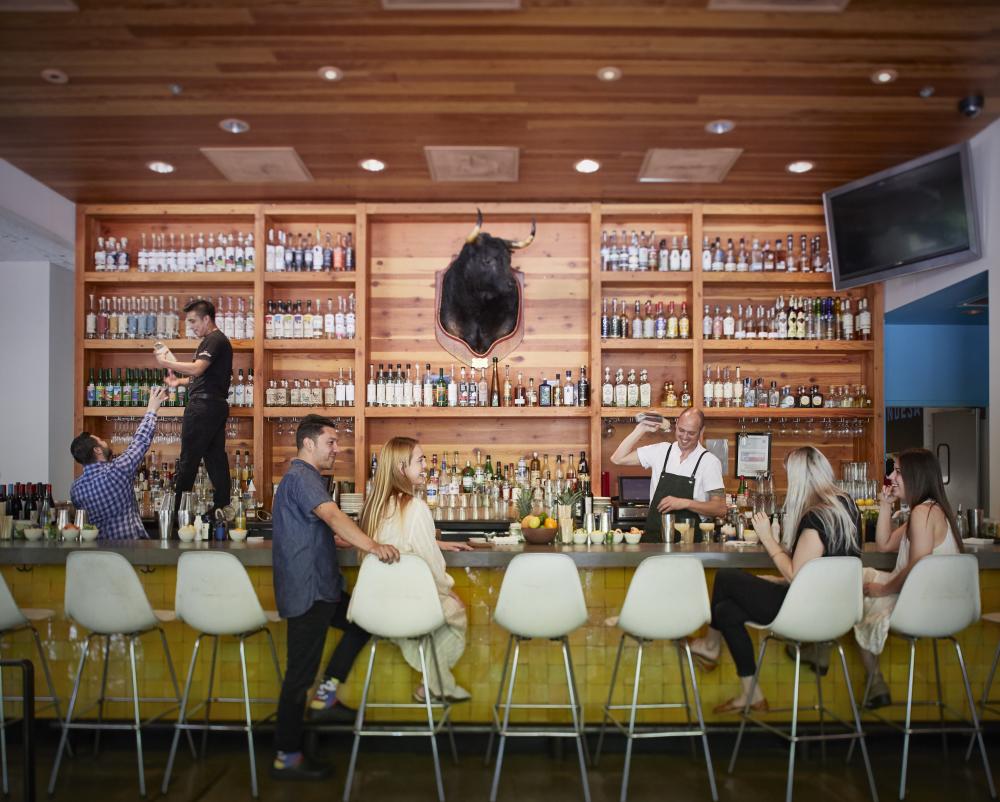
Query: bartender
pixel 203 430
pixel 686 478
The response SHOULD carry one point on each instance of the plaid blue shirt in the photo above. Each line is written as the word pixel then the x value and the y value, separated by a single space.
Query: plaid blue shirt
pixel 105 490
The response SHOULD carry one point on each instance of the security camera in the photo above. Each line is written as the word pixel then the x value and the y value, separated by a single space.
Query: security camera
pixel 972 105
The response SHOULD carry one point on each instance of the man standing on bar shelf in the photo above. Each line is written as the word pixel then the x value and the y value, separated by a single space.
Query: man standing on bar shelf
pixel 104 489
pixel 203 430
pixel 686 478
pixel 309 590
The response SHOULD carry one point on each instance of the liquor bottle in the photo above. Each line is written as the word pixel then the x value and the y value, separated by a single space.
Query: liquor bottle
pixel 649 323
pixel 607 390
pixel 569 390
pixel 631 390
pixel 717 325
pixel 557 399
pixel 685 254
pixel 605 320
pixel 582 393
pixel 645 390
pixel 675 254
pixel 463 389
pixel 441 390
pixel 708 389
pixel 706 256
pixel 706 324
pixel 685 399
pixel 718 256
pixel 621 391
pixel 453 388
pixel 544 393
pixel 729 324
pixel 520 395
pixel 508 389
pixel 864 320
pixel 615 322
pixel 637 323
pixel 847 321
pixel 742 264
pixel 768 256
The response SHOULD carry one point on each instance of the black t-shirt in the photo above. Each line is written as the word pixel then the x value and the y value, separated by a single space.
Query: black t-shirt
pixel 214 382
pixel 812 521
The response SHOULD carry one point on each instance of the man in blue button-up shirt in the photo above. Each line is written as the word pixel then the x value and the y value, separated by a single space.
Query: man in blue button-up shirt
pixel 310 593
pixel 105 489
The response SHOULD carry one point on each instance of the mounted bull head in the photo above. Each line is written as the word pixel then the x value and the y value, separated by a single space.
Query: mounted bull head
pixel 480 300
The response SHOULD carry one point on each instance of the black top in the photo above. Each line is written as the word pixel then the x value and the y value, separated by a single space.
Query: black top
pixel 812 521
pixel 214 382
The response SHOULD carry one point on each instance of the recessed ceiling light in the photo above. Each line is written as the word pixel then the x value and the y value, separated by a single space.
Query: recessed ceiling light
pixel 330 73
pixel 175 89
pixel 799 167
pixel 54 76
pixel 884 75
pixel 720 126
pixel 587 166
pixel 234 126
pixel 160 167
pixel 926 91
pixel 372 165
pixel 609 73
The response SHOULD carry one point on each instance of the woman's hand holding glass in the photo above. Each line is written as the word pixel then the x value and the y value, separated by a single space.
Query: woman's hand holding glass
pixel 762 526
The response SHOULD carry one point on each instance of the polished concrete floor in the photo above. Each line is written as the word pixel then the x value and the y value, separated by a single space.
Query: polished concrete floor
pixel 397 769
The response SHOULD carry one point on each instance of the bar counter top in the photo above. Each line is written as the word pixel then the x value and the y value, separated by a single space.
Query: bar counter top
pixel 156 552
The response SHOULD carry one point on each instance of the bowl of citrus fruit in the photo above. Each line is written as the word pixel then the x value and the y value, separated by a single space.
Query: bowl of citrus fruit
pixel 539 529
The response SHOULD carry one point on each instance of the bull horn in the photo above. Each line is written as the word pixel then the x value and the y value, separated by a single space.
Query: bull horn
pixel 524 243
pixel 474 234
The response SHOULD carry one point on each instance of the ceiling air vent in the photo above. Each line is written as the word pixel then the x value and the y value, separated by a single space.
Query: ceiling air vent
pixel 786 6
pixel 472 164
pixel 37 6
pixel 451 5
pixel 258 165
pixel 687 165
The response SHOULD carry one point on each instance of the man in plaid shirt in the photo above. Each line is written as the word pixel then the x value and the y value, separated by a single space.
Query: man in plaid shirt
pixel 104 489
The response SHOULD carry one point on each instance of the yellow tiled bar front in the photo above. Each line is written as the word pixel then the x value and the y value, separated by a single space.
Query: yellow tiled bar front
pixel 540 676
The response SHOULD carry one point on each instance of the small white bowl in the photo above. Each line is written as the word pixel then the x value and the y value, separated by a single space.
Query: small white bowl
pixel 69 533
pixel 597 538
pixel 580 538
pixel 33 533
pixel 186 534
pixel 88 535
pixel 617 537
pixel 238 535
pixel 633 538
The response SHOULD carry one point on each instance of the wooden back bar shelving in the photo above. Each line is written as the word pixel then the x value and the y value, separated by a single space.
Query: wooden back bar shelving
pixel 398 249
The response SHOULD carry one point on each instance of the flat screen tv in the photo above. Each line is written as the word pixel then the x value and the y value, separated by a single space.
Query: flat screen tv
pixel 912 217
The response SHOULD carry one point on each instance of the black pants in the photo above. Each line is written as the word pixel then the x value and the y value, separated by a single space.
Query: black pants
pixel 203 436
pixel 738 597
pixel 306 635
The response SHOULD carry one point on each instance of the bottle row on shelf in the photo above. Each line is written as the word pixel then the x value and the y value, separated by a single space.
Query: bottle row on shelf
pixel 627 391
pixel 407 387
pixel 337 392
pixel 638 251
pixel 111 387
pixel 800 319
pixel 644 323
pixel 179 253
pixel 146 317
pixel 729 389
pixel 31 501
pixel 287 251
pixel 300 320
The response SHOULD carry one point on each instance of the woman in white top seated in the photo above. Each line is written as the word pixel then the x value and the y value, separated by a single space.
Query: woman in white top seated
pixel 394 516
pixel 931 529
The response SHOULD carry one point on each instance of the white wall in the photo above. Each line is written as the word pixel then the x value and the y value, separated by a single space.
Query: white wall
pixel 900 291
pixel 37 228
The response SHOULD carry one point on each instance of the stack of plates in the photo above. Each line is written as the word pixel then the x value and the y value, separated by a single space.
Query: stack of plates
pixel 351 503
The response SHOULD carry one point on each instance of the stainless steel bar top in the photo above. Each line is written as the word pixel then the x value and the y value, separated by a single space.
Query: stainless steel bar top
pixel 156 552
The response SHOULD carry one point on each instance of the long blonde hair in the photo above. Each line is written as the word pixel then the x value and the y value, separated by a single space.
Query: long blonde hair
pixel 391 489
pixel 812 488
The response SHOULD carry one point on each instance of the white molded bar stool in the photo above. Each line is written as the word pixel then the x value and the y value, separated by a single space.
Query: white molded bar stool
pixel 985 704
pixel 215 596
pixel 667 599
pixel 104 595
pixel 939 599
pixel 824 602
pixel 400 600
pixel 13 620
pixel 540 597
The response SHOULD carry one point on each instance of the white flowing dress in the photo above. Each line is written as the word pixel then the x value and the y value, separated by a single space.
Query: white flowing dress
pixel 873 630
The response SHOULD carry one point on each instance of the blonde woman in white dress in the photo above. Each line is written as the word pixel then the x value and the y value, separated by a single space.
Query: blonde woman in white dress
pixel 394 516
pixel 931 529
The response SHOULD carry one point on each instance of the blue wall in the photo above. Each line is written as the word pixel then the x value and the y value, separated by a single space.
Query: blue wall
pixel 936 366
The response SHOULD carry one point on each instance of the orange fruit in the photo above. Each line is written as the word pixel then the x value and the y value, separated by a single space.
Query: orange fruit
pixel 551 523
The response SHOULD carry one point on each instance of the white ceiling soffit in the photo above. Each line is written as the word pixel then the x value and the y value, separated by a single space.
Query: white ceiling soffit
pixel 786 6
pixel 259 165
pixel 687 165
pixel 487 164
pixel 38 5
pixel 451 5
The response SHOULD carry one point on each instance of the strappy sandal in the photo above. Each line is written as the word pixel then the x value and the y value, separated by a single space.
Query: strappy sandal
pixel 703 661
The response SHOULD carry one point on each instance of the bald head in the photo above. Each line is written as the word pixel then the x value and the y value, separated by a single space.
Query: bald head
pixel 688 429
pixel 692 418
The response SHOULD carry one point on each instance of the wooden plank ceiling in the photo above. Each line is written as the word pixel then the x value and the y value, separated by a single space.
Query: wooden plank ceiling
pixel 796 85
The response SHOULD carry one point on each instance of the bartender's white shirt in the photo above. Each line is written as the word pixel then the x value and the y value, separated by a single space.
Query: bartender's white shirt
pixel 709 472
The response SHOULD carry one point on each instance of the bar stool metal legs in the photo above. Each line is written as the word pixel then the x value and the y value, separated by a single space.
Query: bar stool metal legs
pixel 685 662
pixel 184 724
pixel 136 724
pixel 431 730
pixel 854 730
pixel 986 704
pixel 505 731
